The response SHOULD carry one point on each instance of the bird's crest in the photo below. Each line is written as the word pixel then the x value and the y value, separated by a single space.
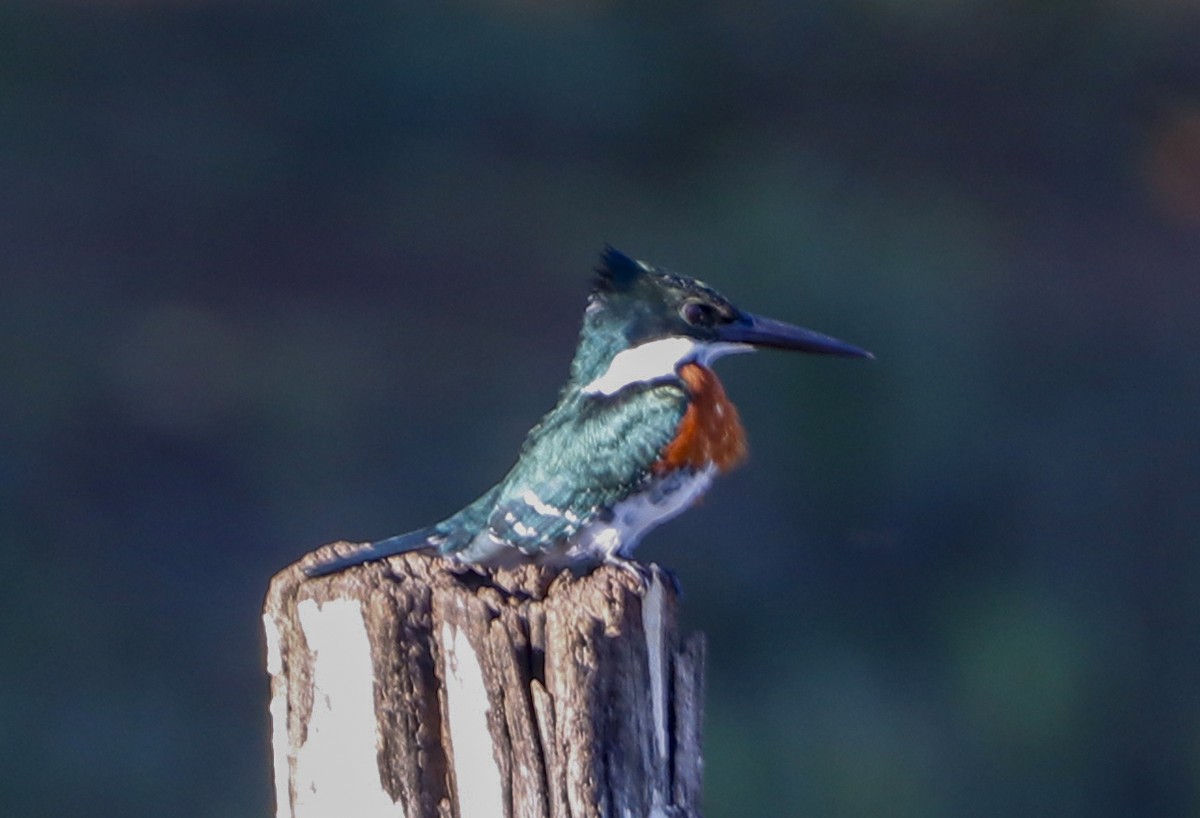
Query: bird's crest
pixel 617 271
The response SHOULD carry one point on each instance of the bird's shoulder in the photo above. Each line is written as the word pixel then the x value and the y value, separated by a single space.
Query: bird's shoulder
pixel 601 434
pixel 586 455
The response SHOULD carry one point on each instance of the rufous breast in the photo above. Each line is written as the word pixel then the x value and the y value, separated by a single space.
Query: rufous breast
pixel 710 431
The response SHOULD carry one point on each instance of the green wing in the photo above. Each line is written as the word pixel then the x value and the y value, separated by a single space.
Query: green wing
pixel 586 455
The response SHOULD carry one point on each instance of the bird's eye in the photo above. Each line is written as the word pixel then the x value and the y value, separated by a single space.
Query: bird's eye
pixel 698 314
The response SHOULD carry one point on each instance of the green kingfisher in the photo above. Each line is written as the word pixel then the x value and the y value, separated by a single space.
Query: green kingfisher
pixel 639 432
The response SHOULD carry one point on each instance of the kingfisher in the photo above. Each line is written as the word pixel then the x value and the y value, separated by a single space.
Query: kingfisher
pixel 639 432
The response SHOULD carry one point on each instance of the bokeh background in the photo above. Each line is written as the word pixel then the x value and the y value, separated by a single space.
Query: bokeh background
pixel 274 274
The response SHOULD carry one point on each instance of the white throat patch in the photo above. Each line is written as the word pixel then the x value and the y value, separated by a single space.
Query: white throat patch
pixel 656 360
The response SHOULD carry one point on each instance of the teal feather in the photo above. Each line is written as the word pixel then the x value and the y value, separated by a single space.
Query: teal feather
pixel 585 456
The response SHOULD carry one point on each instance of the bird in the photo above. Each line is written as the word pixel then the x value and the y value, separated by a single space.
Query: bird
pixel 640 430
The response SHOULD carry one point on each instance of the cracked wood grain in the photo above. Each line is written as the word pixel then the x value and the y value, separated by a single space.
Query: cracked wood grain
pixel 412 687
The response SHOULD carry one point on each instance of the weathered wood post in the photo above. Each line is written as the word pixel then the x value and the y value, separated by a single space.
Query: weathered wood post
pixel 409 688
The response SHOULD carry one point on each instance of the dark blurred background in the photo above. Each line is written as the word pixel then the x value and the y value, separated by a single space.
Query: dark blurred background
pixel 275 274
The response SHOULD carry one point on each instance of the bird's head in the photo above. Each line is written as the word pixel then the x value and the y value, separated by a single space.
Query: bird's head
pixel 643 322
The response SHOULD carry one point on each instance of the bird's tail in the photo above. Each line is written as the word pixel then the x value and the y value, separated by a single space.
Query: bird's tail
pixel 412 541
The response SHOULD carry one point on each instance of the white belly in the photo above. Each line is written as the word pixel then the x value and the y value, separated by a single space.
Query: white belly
pixel 632 518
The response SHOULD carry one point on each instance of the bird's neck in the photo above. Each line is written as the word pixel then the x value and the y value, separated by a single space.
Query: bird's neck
pixel 606 362
pixel 598 345
pixel 651 362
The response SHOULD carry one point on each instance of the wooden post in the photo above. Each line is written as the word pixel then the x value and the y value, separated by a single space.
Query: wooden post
pixel 413 688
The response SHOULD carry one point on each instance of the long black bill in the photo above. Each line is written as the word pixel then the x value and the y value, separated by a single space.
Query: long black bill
pixel 767 332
